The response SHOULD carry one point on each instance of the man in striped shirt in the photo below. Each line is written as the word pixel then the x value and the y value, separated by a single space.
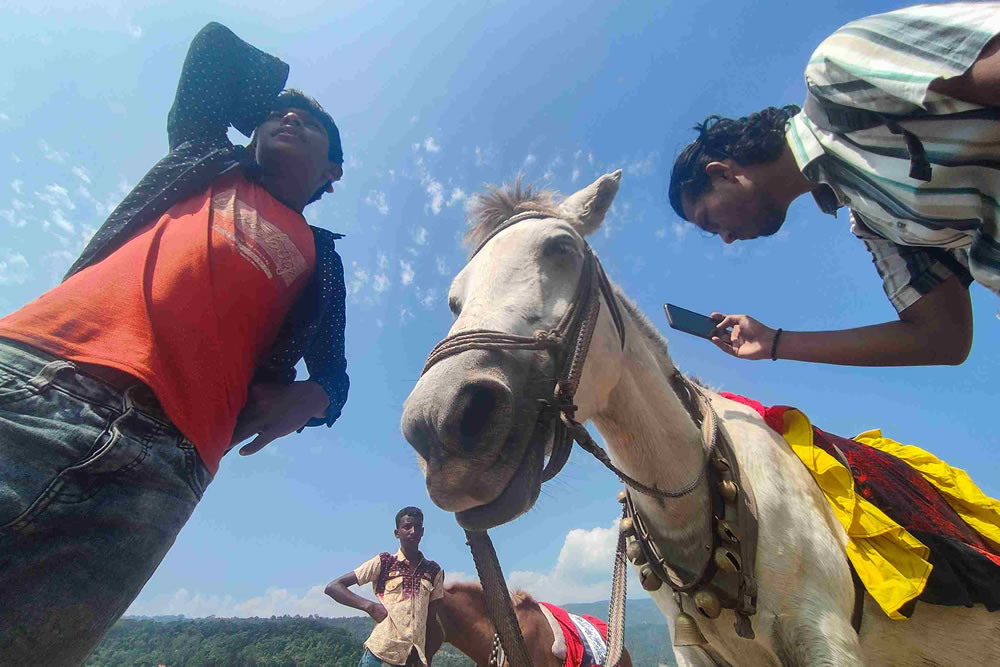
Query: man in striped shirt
pixel 922 183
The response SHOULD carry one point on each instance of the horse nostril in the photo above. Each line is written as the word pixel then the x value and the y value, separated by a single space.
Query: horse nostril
pixel 478 408
pixel 476 416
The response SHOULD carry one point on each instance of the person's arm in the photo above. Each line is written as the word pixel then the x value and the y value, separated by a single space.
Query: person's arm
pixel 325 357
pixel 980 84
pixel 274 410
pixel 339 590
pixel 224 82
pixel 936 330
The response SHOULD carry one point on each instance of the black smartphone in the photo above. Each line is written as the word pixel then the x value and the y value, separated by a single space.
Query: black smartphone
pixel 690 322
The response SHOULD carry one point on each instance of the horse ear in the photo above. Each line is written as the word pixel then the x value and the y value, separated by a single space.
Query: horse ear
pixel 588 207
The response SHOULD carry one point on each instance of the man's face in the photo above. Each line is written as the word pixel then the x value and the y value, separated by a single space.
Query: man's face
pixel 733 206
pixel 295 135
pixel 409 532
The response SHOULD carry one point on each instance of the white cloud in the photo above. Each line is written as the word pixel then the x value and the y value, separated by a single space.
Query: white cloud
pixel 427 298
pixel 590 158
pixel 14 268
pixel 4 116
pixel 480 157
pixel 383 261
pixel 442 267
pixel 406 272
pixel 56 196
pixel 50 153
pixel 576 175
pixel 81 173
pixel 380 283
pixel 419 235
pixel 529 160
pixel 431 145
pixel 458 196
pixel 377 200
pixel 60 221
pixel 11 217
pixel 405 315
pixel 641 167
pixel 133 30
pixel 17 185
pixel 680 230
pixel 435 192
pixel 582 572
pixel 274 602
pixel 358 279
pixel 14 157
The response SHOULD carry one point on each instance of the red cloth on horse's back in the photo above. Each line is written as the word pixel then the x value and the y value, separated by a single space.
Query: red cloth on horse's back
pixel 579 651
pixel 965 566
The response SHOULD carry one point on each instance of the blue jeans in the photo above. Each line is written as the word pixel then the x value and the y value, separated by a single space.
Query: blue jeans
pixel 369 659
pixel 95 484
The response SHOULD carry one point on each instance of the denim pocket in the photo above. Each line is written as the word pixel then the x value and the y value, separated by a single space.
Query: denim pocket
pixel 69 464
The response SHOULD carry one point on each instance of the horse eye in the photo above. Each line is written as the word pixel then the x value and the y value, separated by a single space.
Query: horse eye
pixel 558 248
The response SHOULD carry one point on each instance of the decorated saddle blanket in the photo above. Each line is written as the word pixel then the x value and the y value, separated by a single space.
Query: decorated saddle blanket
pixel 579 640
pixel 918 529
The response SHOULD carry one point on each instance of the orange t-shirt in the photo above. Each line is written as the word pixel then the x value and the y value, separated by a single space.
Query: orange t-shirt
pixel 189 305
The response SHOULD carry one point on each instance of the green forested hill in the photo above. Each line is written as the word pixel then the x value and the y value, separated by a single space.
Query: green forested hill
pixel 296 641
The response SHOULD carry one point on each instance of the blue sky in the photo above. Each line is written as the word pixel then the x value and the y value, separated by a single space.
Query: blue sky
pixel 434 100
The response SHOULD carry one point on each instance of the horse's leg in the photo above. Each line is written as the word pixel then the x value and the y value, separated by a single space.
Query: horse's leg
pixel 816 636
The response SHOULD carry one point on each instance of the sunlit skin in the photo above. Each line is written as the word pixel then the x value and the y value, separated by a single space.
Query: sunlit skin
pixel 292 149
pixel 745 202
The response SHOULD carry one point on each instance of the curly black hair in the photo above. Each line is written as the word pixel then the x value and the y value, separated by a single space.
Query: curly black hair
pixel 753 139
pixel 415 512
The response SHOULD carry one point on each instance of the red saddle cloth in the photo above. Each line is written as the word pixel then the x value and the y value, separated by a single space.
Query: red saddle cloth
pixel 966 567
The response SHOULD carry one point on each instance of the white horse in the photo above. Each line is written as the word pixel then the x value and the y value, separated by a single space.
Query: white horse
pixel 472 420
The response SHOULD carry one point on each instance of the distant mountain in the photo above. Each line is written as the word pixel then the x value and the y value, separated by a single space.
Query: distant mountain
pixel 296 641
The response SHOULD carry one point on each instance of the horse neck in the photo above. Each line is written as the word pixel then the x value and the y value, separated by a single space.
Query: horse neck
pixel 652 438
pixel 466 625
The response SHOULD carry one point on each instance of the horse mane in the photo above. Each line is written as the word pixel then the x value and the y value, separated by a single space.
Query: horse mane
pixel 519 598
pixel 487 210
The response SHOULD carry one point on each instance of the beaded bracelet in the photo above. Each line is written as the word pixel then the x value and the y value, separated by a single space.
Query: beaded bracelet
pixel 774 345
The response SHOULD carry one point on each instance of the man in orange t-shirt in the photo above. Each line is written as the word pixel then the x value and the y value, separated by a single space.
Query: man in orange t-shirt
pixel 173 337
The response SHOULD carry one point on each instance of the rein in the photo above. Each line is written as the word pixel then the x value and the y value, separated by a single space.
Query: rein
pixel 567 344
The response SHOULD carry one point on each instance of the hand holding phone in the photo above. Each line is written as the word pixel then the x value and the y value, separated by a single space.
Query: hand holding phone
pixel 693 323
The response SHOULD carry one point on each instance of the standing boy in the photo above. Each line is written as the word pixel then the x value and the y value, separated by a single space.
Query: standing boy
pixel 405 584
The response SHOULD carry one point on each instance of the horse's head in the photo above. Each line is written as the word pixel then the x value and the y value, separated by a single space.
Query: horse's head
pixel 473 417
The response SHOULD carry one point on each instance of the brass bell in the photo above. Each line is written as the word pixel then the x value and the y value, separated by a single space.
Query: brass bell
pixel 727 561
pixel 721 464
pixel 707 603
pixel 725 531
pixel 648 579
pixel 686 632
pixel 729 490
pixel 622 495
pixel 626 527
pixel 633 550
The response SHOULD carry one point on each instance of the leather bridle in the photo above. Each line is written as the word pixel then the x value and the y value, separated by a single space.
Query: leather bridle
pixel 568 343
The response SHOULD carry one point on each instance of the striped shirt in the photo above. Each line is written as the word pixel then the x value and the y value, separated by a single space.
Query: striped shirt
pixel 919 233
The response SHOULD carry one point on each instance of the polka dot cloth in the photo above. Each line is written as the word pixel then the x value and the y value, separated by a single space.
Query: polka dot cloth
pixel 224 82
